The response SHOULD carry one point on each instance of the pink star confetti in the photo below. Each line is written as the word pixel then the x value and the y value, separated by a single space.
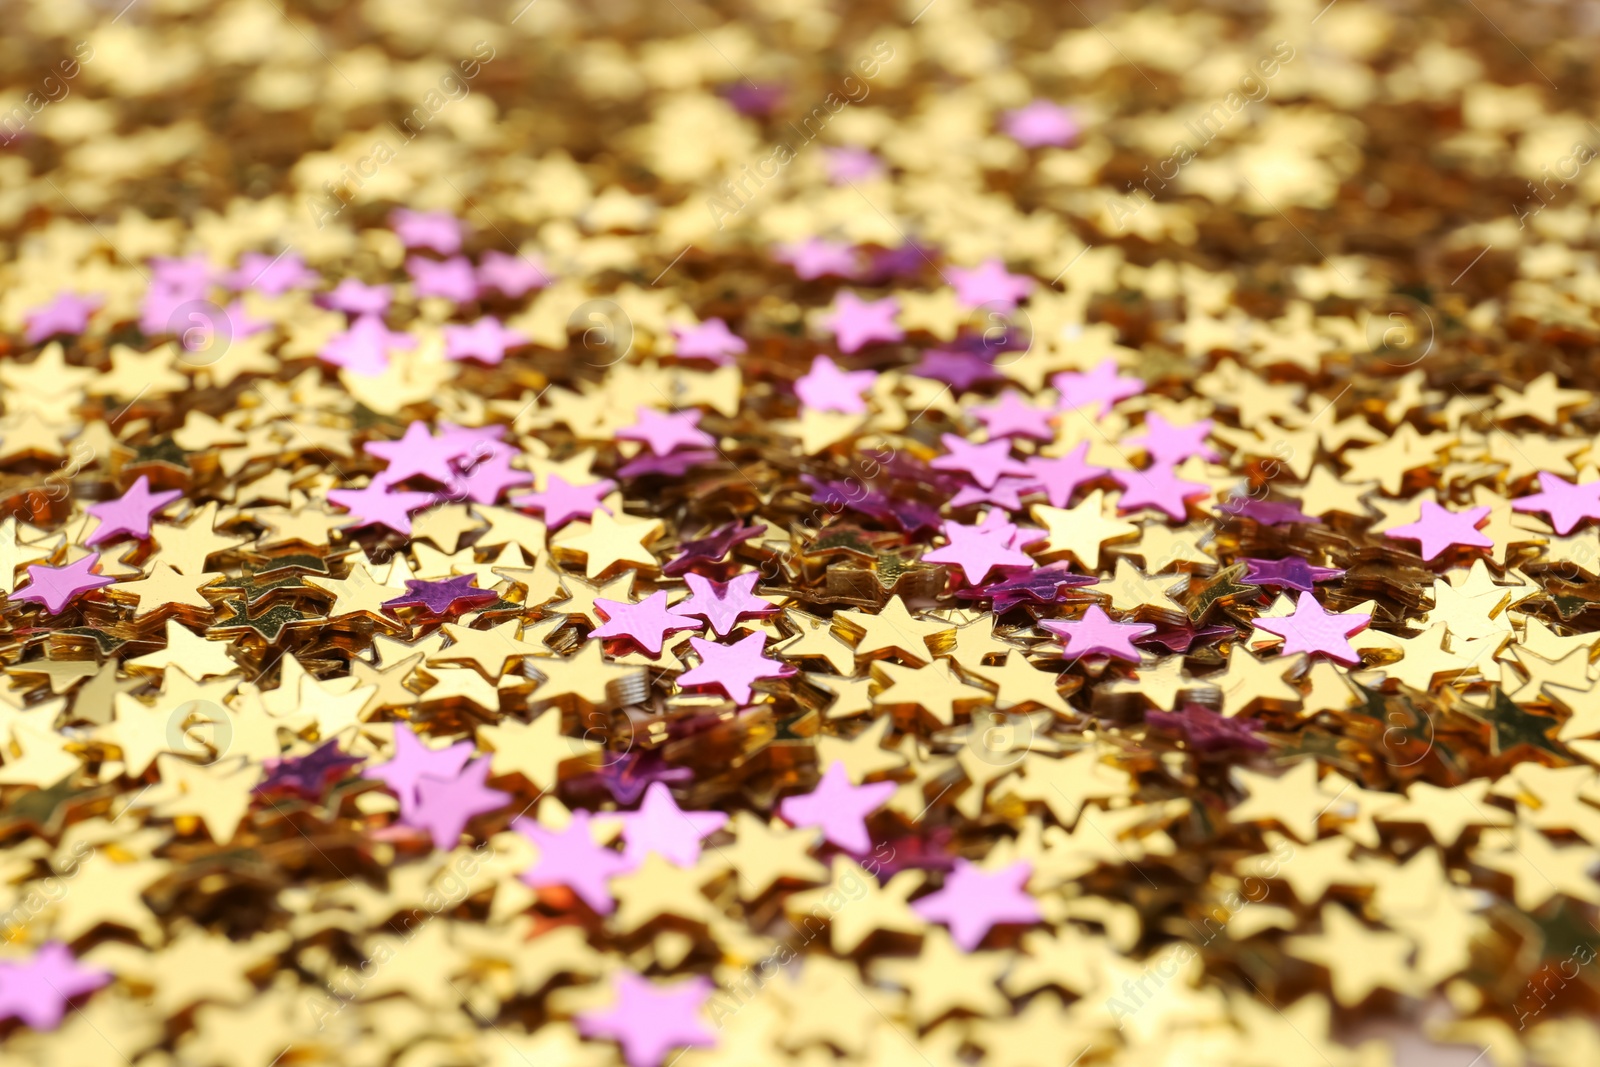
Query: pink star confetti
pixel 851 164
pixel 978 550
pixel 512 276
pixel 990 285
pixel 857 323
pixel 661 826
pixel 1158 487
pixel 56 587
pixel 841 809
pixel 646 623
pixel 815 258
pixel 666 432
pixel 485 340
pixel 419 453
pixel 412 760
pixel 1565 502
pixel 974 901
pixel 130 514
pixel 1165 443
pixel 724 603
pixel 376 504
pixel 1040 124
pixel 1013 416
pixel 825 387
pixel 1060 477
pixel 433 230
pixel 446 804
pixel 364 347
pixel 650 1020
pixel 710 340
pixel 1098 389
pixel 1313 629
pixel 358 298
pixel 272 275
pixel 571 858
pixel 39 990
pixel 561 502
pixel 1096 634
pixel 732 668
pixel 68 313
pixel 451 279
pixel 984 462
pixel 1438 529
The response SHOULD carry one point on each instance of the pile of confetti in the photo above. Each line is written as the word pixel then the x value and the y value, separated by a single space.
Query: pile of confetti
pixel 1013 535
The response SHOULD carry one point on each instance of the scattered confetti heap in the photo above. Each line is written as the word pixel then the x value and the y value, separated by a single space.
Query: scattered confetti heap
pixel 1011 535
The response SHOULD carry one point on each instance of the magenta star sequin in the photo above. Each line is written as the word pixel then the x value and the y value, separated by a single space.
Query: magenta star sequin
pixel 841 809
pixel 665 433
pixel 510 275
pixel 37 991
pixel 130 514
pixel 452 279
pixel 959 370
pixel 433 230
pixel 815 258
pixel 1046 585
pixel 485 340
pixel 1013 416
pixel 978 550
pixel 1096 634
pixel 375 504
pixel 661 826
pixel 412 760
pixel 1165 443
pixel 1312 629
pixel 646 623
pixel 561 502
pixel 857 323
pixel 985 462
pixel 1040 124
pixel 357 298
pixel 1438 529
pixel 68 313
pixel 722 604
pixel 710 340
pixel 56 587
pixel 825 387
pixel 1060 477
pixel 974 901
pixel 1206 731
pixel 1566 503
pixel 446 804
pixel 990 285
pixel 1157 487
pixel 441 598
pixel 571 858
pixel 364 348
pixel 732 668
pixel 650 1020
pixel 1098 389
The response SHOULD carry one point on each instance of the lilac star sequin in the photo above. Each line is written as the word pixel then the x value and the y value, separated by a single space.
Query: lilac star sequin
pixel 485 340
pixel 1266 512
pixel 711 548
pixel 451 279
pixel 513 276
pixel 442 598
pixel 357 298
pixel 826 387
pixel 308 776
pixel 272 275
pixel 710 340
pixel 56 587
pixel 1290 573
